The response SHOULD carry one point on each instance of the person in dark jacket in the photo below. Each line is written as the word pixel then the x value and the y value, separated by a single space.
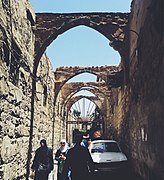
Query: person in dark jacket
pixel 79 161
pixel 60 156
pixel 43 161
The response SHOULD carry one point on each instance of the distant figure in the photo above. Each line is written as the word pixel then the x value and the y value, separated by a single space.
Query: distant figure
pixel 97 135
pixel 61 156
pixel 86 140
pixel 78 161
pixel 43 161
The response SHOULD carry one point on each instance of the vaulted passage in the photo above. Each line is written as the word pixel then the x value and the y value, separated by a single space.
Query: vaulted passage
pixel 124 102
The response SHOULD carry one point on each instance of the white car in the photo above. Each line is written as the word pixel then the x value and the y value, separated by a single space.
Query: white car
pixel 107 156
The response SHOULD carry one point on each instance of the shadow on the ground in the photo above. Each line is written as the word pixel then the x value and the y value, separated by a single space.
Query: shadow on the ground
pixel 115 176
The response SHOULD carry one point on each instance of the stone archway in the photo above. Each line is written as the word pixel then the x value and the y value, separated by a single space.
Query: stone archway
pixel 94 91
pixel 73 100
pixel 93 120
pixel 70 89
pixel 98 88
pixel 50 25
pixel 63 74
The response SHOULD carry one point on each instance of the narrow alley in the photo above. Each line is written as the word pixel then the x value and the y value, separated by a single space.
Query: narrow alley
pixel 114 106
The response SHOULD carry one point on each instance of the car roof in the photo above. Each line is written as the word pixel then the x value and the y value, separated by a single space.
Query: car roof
pixel 103 140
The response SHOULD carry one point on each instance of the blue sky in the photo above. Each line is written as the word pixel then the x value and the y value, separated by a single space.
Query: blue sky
pixel 81 5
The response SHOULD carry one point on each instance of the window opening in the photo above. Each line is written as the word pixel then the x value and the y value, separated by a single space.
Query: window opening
pixel 14 64
pixel 45 95
pixel 4 53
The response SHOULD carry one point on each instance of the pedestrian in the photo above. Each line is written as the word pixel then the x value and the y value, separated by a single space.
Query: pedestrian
pixel 43 161
pixel 60 156
pixel 86 140
pixel 97 135
pixel 78 161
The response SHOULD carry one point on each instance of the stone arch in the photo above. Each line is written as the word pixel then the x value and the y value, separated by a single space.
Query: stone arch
pixel 80 89
pixel 64 74
pixel 73 93
pixel 97 88
pixel 77 98
pixel 49 25
pixel 92 99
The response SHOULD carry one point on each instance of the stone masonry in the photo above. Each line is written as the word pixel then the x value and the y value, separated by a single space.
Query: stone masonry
pixel 33 98
pixel 17 42
pixel 138 116
pixel 16 63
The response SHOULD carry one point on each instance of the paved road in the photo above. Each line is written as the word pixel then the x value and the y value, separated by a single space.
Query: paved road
pixel 128 175
pixel 116 176
pixel 102 176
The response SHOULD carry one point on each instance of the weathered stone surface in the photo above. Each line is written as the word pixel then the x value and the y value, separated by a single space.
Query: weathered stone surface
pixel 133 111
pixel 50 25
pixel 141 102
pixel 63 74
pixel 17 45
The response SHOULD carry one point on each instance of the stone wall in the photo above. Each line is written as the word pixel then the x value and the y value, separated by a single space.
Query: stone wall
pixel 147 89
pixel 134 114
pixel 16 59
pixel 45 125
pixel 140 104
pixel 44 103
pixel 17 39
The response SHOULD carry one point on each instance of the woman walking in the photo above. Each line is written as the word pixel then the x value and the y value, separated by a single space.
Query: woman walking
pixel 60 156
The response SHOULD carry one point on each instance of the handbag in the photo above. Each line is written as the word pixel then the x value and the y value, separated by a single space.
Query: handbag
pixel 43 167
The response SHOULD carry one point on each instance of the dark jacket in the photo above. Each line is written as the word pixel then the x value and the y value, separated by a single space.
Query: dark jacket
pixel 78 161
pixel 57 155
pixel 43 155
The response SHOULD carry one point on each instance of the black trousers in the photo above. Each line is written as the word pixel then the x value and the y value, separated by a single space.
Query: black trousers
pixel 61 177
pixel 41 175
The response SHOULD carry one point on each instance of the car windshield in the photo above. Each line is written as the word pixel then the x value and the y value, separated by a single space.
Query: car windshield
pixel 105 147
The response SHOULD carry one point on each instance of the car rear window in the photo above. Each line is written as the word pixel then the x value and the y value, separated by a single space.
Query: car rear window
pixel 105 147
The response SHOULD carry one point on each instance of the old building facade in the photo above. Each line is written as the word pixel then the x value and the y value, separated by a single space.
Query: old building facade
pixel 33 98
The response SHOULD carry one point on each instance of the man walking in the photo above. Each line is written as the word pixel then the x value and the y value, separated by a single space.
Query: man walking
pixel 78 161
